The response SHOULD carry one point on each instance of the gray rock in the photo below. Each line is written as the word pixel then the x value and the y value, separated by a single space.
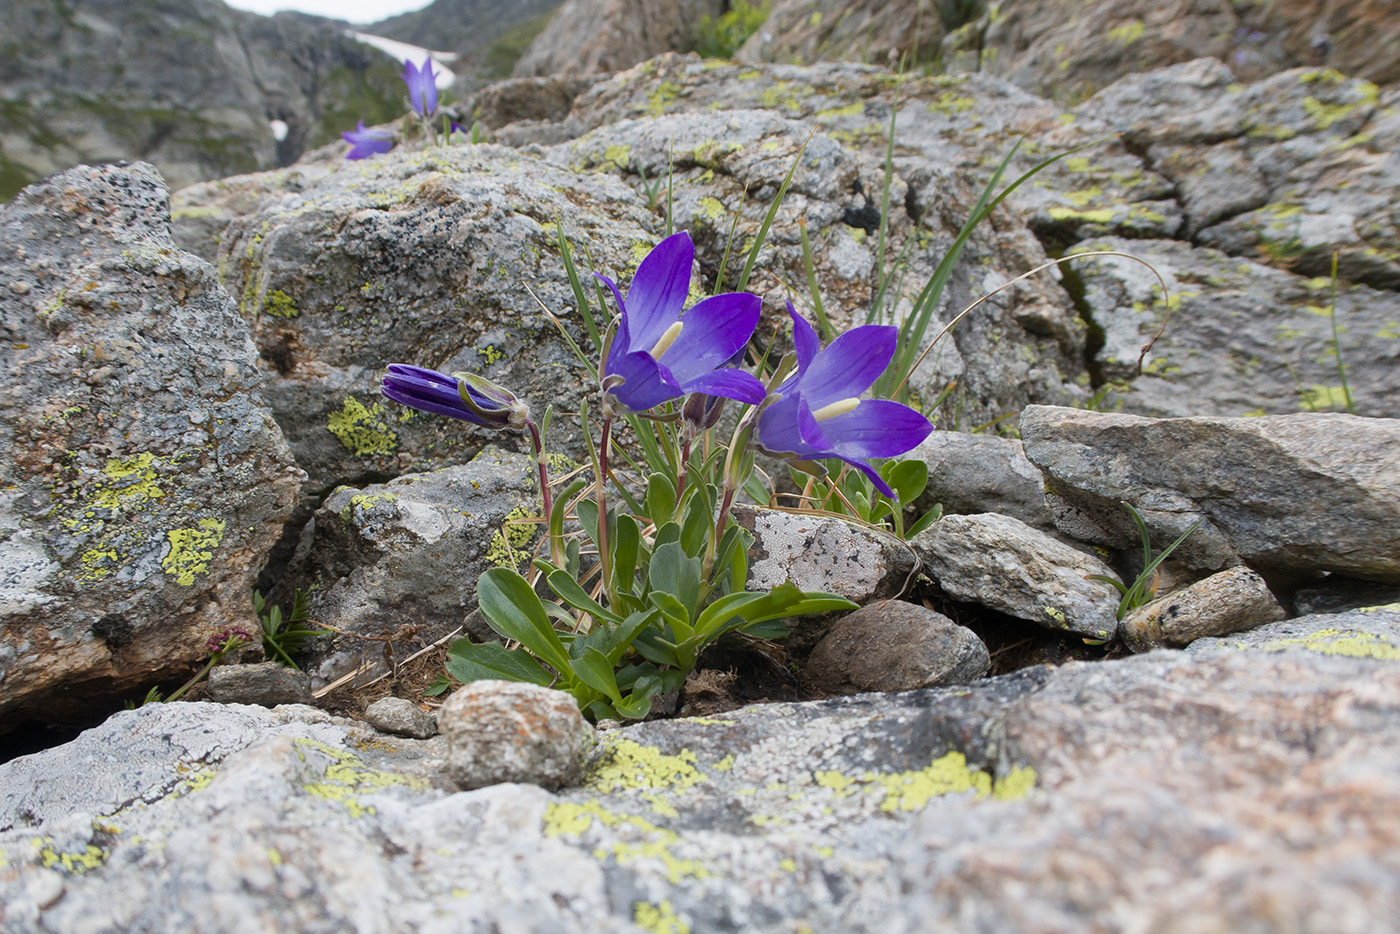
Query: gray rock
pixel 143 477
pixel 1292 495
pixel 402 717
pixel 1004 564
pixel 970 474
pixel 877 31
pixel 507 731
pixel 1230 601
pixel 399 560
pixel 266 684
pixel 1243 338
pixel 824 554
pixel 1337 594
pixel 1370 633
pixel 1014 803
pixel 584 37
pixel 420 257
pixel 894 646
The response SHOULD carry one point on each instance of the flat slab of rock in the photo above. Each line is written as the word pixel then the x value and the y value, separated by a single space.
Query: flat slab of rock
pixel 970 474
pixel 265 683
pixel 1285 494
pixel 895 646
pixel 1372 633
pixel 1005 565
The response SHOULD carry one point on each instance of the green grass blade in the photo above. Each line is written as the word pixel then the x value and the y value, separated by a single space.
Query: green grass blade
pixel 772 213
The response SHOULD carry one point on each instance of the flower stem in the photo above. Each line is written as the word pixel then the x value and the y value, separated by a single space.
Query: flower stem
pixel 556 545
pixel 604 555
pixel 214 659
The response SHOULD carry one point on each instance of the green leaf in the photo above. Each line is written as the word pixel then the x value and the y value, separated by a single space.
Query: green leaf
pixel 588 518
pixel 626 544
pixel 908 479
pixel 634 707
pixel 712 621
pixel 621 637
pixel 661 499
pixel 655 649
pixel 699 520
pixel 676 573
pixel 570 591
pixel 924 521
pixel 674 612
pixel 492 661
pixel 594 670
pixel 514 611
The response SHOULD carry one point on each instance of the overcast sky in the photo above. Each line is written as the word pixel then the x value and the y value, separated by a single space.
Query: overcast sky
pixel 356 11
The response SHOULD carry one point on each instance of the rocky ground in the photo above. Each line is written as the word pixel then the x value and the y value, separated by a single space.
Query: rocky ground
pixel 191 408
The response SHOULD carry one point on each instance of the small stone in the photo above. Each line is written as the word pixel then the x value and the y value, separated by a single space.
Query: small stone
pixel 506 731
pixel 401 717
pixel 265 683
pixel 1231 601
pixel 893 646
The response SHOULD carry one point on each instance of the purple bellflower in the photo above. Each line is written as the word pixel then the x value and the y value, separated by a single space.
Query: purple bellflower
pixel 422 86
pixel 818 412
pixel 464 396
pixel 658 353
pixel 365 143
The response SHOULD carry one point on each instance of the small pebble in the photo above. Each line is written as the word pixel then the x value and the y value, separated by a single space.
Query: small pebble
pixel 401 717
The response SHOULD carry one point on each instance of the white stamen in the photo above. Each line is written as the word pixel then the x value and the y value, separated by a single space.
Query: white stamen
pixel 667 339
pixel 835 409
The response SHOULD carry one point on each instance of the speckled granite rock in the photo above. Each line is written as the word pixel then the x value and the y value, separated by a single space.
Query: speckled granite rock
pixel 895 646
pixel 1262 784
pixel 1231 601
pixel 508 731
pixel 142 478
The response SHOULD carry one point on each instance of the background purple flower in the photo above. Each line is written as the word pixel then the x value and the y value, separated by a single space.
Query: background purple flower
pixel 422 86
pixel 819 412
pixel 694 346
pixel 365 143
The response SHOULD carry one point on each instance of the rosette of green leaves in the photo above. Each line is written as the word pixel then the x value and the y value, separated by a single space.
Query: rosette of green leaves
pixel 664 609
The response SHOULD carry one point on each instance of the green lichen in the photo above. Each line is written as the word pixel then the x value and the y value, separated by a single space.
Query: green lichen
pixel 490 353
pixel 362 431
pixel 659 918
pixel 712 208
pixel 347 777
pixel 850 110
pixel 566 819
pixel 133 483
pixel 662 97
pixel 508 543
pixel 951 102
pixel 1351 643
pixel 279 304
pixel 1324 115
pixel 1128 32
pixel 364 502
pixel 191 550
pixel 73 864
pixel 1097 216
pixel 912 791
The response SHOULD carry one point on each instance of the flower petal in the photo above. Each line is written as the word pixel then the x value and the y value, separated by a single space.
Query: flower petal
pixel 645 382
pixel 729 383
pixel 874 475
pixel 848 365
pixel 432 392
pixel 658 290
pixel 876 428
pixel 804 339
pixel 711 333
pixel 787 427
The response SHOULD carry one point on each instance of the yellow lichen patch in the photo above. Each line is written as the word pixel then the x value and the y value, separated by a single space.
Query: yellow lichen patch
pixel 191 550
pixel 196 782
pixel 1099 216
pixel 364 502
pixel 511 539
pixel 850 110
pixel 362 431
pixel 658 919
pixel 347 777
pixel 627 764
pixel 91 857
pixel 912 791
pixel 1351 643
pixel 566 819
pixel 132 484
pixel 1324 115
pixel 711 207
pixel 279 304
pixel 490 353
pixel 1320 396
pixel 665 94
pixel 617 156
pixel 1015 784
pixel 274 857
pixel 1128 32
pixel 725 764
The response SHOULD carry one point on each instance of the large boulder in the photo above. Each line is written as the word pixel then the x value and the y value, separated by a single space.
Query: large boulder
pixel 1290 495
pixel 144 479
pixel 1080 798
pixel 590 36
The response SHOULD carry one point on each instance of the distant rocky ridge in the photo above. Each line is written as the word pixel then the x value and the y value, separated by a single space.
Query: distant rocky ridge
pixel 486 35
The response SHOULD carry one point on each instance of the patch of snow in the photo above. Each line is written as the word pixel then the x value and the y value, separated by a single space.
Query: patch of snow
pixel 279 129
pixel 403 51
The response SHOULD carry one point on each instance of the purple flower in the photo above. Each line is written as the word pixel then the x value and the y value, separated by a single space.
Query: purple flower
pixel 365 143
pixel 227 638
pixel 464 396
pixel 818 412
pixel 694 346
pixel 422 86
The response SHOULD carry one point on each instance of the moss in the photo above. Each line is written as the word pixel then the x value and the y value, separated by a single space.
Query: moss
pixel 192 549
pixel 362 431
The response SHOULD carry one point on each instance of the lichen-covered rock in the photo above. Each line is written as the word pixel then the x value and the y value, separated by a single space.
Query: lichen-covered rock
pixel 1290 495
pixel 507 731
pixel 878 31
pixel 1008 566
pixel 144 480
pixel 1370 633
pixel 1014 803
pixel 822 553
pixel 1337 594
pixel 588 36
pixel 421 257
pixel 1230 601
pixel 895 646
pixel 1243 339
pixel 399 561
